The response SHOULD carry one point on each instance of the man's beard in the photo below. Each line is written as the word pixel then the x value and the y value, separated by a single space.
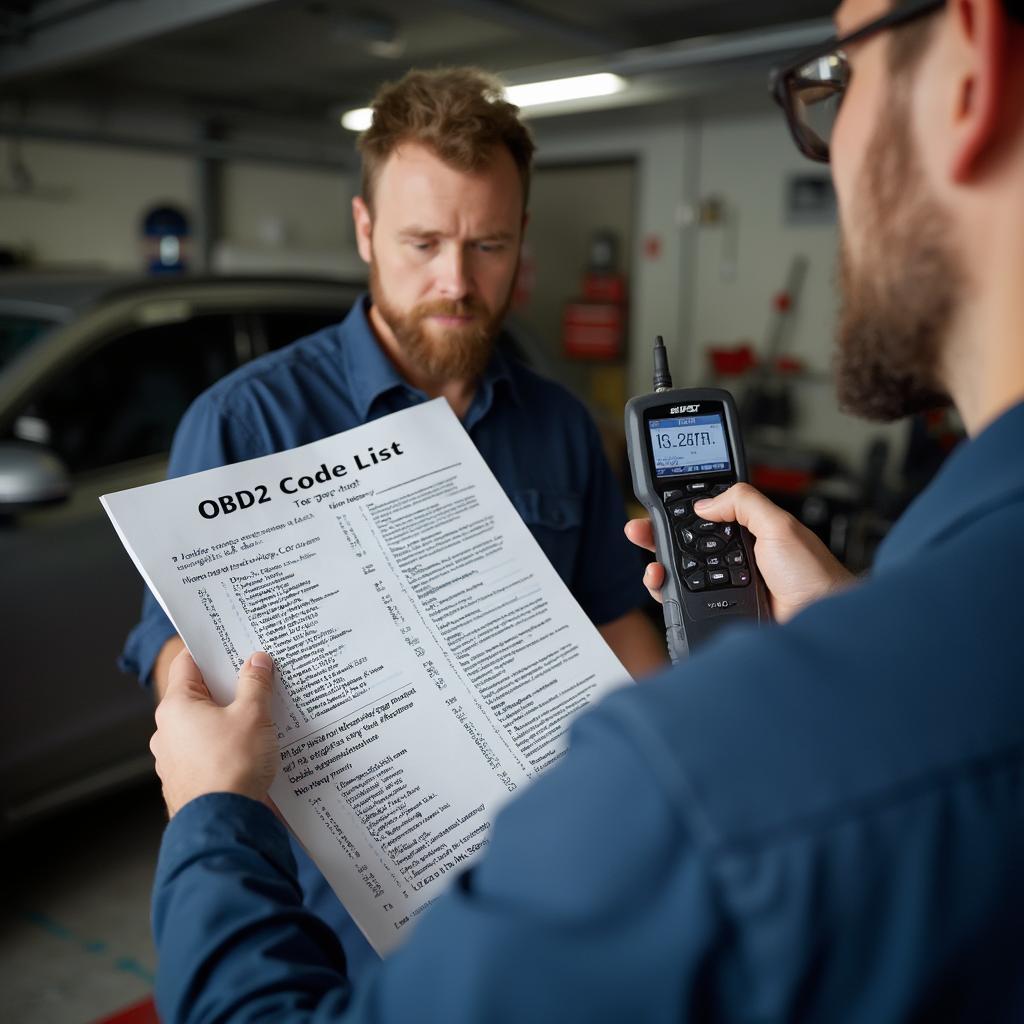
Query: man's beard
pixel 453 353
pixel 901 294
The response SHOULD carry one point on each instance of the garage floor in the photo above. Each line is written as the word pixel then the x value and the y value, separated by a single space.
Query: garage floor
pixel 75 945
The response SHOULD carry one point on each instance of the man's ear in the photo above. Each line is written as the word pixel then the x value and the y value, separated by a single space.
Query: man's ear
pixel 364 228
pixel 982 40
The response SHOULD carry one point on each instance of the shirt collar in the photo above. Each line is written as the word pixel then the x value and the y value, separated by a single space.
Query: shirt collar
pixel 368 371
pixel 498 377
pixel 980 475
pixel 370 374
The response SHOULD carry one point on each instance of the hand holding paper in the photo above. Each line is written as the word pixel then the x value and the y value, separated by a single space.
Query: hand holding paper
pixel 203 748
pixel 427 657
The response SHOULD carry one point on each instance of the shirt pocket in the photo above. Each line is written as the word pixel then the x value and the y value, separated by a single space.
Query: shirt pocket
pixel 556 521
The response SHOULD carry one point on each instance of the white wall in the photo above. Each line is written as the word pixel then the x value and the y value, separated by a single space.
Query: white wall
pixel 687 294
pixel 90 201
pixel 266 205
pixel 287 220
pixel 743 263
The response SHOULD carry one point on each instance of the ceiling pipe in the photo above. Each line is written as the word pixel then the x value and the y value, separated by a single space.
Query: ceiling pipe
pixel 69 33
pixel 754 49
pixel 756 46
pixel 723 49
pixel 535 22
pixel 207 149
pixel 56 12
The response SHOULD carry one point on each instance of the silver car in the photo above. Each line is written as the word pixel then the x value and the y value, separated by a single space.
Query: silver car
pixel 94 377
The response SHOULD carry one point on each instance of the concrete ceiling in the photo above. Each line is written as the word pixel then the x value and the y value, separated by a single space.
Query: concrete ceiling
pixel 301 61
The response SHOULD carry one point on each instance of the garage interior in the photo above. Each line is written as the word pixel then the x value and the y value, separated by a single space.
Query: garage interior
pixel 118 116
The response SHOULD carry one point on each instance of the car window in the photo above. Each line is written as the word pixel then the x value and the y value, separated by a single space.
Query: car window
pixel 282 328
pixel 124 400
pixel 17 333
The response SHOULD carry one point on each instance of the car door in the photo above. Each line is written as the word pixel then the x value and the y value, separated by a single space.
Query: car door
pixel 74 723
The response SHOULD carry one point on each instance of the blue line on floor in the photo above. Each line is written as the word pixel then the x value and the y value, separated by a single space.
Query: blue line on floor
pixel 95 947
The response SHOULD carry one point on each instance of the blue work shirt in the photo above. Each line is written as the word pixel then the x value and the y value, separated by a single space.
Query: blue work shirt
pixel 537 439
pixel 817 822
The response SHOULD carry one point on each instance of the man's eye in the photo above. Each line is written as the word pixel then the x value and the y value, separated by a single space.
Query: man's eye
pixel 490 246
pixel 422 246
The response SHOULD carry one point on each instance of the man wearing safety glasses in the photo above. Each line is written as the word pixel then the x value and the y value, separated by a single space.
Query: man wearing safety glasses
pixel 822 821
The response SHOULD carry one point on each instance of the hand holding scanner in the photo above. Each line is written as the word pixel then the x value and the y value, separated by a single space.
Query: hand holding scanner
pixel 684 444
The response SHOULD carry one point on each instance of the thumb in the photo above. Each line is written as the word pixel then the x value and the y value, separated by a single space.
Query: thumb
pixel 745 505
pixel 640 533
pixel 255 679
pixel 185 680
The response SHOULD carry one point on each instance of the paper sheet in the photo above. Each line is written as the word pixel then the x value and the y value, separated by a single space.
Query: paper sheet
pixel 429 658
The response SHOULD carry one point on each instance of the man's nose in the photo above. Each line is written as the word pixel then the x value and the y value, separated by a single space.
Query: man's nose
pixel 454 281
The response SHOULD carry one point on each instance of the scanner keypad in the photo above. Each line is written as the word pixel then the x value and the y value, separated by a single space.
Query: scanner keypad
pixel 712 554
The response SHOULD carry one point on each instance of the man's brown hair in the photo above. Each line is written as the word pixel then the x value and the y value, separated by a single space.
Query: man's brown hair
pixel 459 113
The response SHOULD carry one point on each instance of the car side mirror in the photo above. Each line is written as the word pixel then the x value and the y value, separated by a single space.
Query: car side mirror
pixel 31 475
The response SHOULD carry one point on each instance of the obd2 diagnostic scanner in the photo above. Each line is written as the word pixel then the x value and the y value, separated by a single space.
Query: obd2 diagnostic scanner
pixel 683 445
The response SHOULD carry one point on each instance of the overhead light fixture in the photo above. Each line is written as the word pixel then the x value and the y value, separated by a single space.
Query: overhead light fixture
pixel 529 94
pixel 357 120
pixel 561 90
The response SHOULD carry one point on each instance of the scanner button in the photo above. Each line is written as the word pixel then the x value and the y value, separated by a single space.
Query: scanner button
pixel 681 511
pixel 740 577
pixel 703 526
pixel 669 496
pixel 714 562
pixel 697 487
pixel 728 531
pixel 686 536
pixel 709 545
pixel 719 489
pixel 736 558
pixel 696 581
pixel 718 577
pixel 689 563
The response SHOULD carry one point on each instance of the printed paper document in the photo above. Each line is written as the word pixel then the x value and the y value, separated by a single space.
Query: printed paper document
pixel 428 657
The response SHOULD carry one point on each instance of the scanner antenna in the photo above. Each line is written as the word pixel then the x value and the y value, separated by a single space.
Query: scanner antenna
pixel 662 377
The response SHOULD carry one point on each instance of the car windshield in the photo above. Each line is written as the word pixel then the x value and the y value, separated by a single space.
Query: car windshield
pixel 17 333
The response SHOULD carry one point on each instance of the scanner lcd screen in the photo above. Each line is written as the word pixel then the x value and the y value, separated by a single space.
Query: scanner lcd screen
pixel 683 445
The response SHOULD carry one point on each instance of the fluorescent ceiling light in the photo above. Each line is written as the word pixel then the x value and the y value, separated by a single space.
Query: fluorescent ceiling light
pixel 560 90
pixel 357 120
pixel 530 94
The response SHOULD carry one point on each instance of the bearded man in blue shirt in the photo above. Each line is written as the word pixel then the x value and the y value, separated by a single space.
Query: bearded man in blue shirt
pixel 820 821
pixel 440 220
